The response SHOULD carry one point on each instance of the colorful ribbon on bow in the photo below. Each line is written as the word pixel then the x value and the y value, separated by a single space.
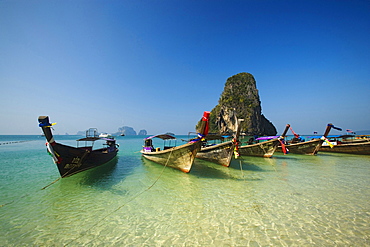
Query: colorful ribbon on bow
pixel 236 148
pixel 283 147
pixel 327 141
pixel 46 124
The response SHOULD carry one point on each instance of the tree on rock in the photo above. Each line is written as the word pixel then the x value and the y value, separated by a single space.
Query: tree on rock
pixel 240 99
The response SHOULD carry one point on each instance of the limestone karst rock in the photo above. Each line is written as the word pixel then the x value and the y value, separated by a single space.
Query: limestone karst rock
pixel 240 99
pixel 142 133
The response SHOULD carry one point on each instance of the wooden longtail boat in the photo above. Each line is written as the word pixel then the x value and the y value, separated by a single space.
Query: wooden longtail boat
pixel 220 153
pixel 72 160
pixel 310 147
pixel 180 157
pixel 263 149
pixel 342 144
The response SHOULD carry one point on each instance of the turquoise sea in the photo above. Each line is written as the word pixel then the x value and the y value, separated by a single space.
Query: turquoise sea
pixel 287 200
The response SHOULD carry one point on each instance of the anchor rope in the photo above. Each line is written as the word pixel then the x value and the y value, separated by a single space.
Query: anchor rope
pixel 67 172
pixel 13 200
pixel 2 205
pixel 121 206
pixel 241 168
pixel 56 180
pixel 295 134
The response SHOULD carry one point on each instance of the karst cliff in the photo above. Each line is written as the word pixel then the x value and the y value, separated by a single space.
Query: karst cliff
pixel 240 99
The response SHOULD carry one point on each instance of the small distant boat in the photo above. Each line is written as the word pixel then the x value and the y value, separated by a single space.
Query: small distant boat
pixel 72 160
pixel 220 153
pixel 310 147
pixel 348 144
pixel 105 135
pixel 265 149
pixel 178 157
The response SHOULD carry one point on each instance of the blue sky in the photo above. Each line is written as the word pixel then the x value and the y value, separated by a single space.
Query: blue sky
pixel 157 65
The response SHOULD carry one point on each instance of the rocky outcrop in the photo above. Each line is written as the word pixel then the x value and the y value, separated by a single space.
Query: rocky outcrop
pixel 127 131
pixel 143 133
pixel 240 99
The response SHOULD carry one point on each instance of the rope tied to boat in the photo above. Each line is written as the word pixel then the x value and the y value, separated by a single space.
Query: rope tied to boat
pixel 241 168
pixel 67 172
pixel 295 134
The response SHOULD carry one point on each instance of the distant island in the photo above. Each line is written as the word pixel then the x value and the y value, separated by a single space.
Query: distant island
pixel 125 130
pixel 129 131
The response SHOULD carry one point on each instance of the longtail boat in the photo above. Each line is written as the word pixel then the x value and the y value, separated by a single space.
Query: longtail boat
pixel 266 148
pixel 223 152
pixel 310 147
pixel 347 144
pixel 178 157
pixel 263 149
pixel 72 160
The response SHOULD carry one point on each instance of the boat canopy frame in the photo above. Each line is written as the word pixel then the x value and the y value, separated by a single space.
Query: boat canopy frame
pixel 169 141
pixel 92 136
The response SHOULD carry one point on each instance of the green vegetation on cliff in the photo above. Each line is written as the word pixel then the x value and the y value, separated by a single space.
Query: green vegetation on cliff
pixel 240 99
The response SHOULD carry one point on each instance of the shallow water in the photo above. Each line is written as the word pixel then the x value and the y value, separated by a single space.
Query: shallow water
pixel 291 200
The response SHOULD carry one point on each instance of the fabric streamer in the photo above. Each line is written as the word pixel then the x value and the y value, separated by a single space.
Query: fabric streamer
pixel 295 135
pixel 46 124
pixel 51 152
pixel 285 150
pixel 236 148
pixel 206 119
pixel 327 141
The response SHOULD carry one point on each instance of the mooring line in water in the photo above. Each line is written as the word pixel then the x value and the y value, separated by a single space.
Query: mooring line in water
pixel 133 198
pixel 12 142
pixel 29 194
pixel 64 175
pixel 6 203
pixel 241 168
pixel 13 201
pixel 56 180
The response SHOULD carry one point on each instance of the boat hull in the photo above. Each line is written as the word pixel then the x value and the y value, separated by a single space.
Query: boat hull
pixel 220 153
pixel 71 160
pixel 352 148
pixel 263 149
pixel 181 157
pixel 308 147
